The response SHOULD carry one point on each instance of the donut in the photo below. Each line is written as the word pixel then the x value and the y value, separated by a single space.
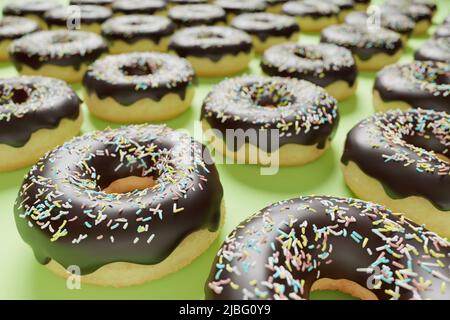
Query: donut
pixel 197 15
pixel 372 48
pixel 437 49
pixel 36 114
pixel 442 31
pixel 12 28
pixel 138 33
pixel 275 6
pixel 301 116
pixel 421 14
pixel 311 15
pixel 294 247
pixel 267 29
pixel 400 159
pixel 135 204
pixel 58 54
pixel 345 7
pixel 394 21
pixel 419 84
pixel 106 3
pixel 326 65
pixel 123 7
pixel 237 7
pixel 32 9
pixel 139 87
pixel 213 51
pixel 90 18
pixel 430 4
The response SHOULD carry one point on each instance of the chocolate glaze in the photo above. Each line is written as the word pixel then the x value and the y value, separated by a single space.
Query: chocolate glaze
pixel 12 27
pixel 138 6
pixel 392 148
pixel 32 7
pixel 236 7
pixel 93 228
pixel 197 14
pixel 59 47
pixel 394 21
pixel 257 103
pixel 421 84
pixel 363 41
pixel 28 104
pixel 311 8
pixel 265 25
pixel 280 252
pixel 437 49
pixel 89 14
pixel 321 64
pixel 128 78
pixel 132 28
pixel 92 2
pixel 211 42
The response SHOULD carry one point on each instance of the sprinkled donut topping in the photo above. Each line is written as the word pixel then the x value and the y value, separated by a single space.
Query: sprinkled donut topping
pixel 310 8
pixel 60 47
pixel 390 20
pixel 24 7
pixel 264 25
pixel 242 6
pixel 282 250
pixel 131 77
pixel 197 14
pixel 28 104
pixel 15 27
pixel 400 150
pixel 132 28
pixel 89 14
pixel 363 41
pixel 302 112
pixel 437 49
pixel 321 63
pixel 64 213
pixel 416 12
pixel 210 41
pixel 138 6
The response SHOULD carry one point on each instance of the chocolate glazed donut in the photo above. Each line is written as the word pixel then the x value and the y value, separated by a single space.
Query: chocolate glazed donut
pixel 65 213
pixel 296 246
pixel 138 6
pixel 437 49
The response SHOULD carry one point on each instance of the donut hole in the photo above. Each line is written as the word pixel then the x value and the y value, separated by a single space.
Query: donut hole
pixel 307 54
pixel 429 143
pixel 129 184
pixel 16 95
pixel 269 95
pixel 207 35
pixel 138 69
pixel 62 39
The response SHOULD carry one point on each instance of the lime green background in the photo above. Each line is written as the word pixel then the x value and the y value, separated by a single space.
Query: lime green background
pixel 246 191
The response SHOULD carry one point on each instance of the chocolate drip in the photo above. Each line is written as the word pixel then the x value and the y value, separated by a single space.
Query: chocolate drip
pixel 322 64
pixel 280 252
pixel 420 84
pixel 28 104
pixel 381 152
pixel 142 227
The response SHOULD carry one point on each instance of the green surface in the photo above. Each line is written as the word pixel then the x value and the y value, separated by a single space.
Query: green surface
pixel 246 191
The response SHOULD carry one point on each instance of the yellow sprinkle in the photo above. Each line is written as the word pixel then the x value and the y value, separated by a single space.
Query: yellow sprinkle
pixel 365 242
pixel 443 287
pixel 233 285
pixel 437 255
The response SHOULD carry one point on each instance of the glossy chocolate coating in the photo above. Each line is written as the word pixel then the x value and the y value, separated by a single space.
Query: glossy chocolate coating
pixel 309 114
pixel 131 77
pixel 28 104
pixel 59 47
pixel 12 27
pixel 394 148
pixel 280 252
pixel 210 42
pixel 437 49
pixel 363 41
pixel 394 21
pixel 421 84
pixel 138 6
pixel 132 28
pixel 197 15
pixel 311 8
pixel 89 228
pixel 89 14
pixel 322 64
pixel 265 25
pixel 32 7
